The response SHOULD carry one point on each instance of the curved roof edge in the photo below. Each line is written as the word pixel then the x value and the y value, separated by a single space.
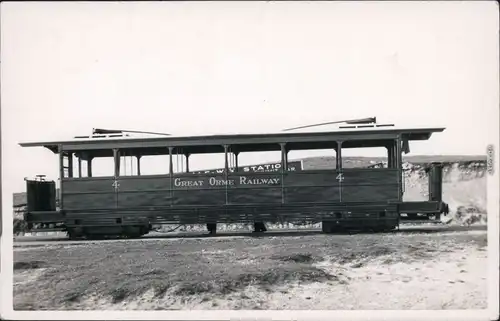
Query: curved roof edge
pixel 422 133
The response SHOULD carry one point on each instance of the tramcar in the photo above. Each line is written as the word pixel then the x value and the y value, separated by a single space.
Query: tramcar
pixel 129 205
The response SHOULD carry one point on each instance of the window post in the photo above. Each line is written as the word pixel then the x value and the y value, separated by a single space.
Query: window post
pixel 399 166
pixel 187 162
pixel 340 175
pixel 226 164
pixel 89 166
pixel 170 162
pixel 79 166
pixel 391 161
pixel 61 176
pixel 338 157
pixel 70 164
pixel 284 157
pixel 236 161
pixel 138 165
pixel 171 174
pixel 284 168
pixel 226 171
pixel 116 156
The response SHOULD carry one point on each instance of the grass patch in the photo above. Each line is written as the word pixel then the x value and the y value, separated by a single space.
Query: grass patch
pixel 208 267
pixel 297 258
pixel 29 265
pixel 263 279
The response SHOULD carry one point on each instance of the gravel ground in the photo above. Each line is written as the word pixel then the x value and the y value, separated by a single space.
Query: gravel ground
pixel 445 270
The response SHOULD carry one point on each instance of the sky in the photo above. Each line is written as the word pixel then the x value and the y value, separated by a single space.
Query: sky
pixel 202 68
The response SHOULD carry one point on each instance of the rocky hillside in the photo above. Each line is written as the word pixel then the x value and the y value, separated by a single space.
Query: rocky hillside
pixel 464 180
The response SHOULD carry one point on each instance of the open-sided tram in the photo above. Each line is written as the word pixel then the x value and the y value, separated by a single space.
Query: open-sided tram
pixel 129 205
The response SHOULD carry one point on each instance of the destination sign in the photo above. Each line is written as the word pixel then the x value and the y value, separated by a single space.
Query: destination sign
pixel 263 168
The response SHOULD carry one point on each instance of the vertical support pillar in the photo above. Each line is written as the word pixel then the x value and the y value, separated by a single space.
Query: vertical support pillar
pixel 284 157
pixel 187 162
pixel 70 164
pixel 226 163
pixel 171 173
pixel 171 161
pixel 138 165
pixel 399 166
pixel 338 158
pixel 61 176
pixel 390 155
pixel 89 166
pixel 80 167
pixel 395 152
pixel 236 161
pixel 340 175
pixel 284 168
pixel 226 171
pixel 182 161
pixel 116 157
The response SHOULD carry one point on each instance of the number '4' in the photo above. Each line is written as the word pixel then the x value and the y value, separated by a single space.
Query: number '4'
pixel 340 177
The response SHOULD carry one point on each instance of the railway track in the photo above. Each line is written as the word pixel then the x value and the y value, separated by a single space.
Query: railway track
pixel 402 223
pixel 40 241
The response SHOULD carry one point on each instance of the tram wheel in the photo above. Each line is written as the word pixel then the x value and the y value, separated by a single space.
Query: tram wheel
pixel 330 227
pixel 259 227
pixel 74 234
pixel 133 232
pixel 212 228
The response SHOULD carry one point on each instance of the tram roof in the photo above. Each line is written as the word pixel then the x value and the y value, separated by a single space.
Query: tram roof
pixel 346 133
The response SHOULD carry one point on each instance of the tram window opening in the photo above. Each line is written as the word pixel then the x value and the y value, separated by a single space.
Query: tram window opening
pixel 318 159
pixel 365 157
pixel 79 167
pixel 204 162
pixel 181 163
pixel 84 169
pixel 65 172
pixel 103 167
pixel 129 166
pixel 152 165
pixel 66 166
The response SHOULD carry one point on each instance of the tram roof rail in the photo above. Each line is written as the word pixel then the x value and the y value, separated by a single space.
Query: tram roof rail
pixel 369 120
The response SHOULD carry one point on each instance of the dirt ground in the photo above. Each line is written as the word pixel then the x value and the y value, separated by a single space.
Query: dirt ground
pixel 445 270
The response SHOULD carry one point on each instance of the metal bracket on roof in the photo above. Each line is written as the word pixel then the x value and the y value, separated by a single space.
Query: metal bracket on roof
pixel 370 120
pixel 100 131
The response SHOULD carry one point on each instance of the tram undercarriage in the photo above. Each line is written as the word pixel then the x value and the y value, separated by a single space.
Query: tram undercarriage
pixel 121 224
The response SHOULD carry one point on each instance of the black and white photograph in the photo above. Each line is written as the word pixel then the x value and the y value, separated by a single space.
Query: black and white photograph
pixel 250 159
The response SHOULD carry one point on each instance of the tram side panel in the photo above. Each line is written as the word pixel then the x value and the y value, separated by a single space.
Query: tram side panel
pixel 95 193
pixel 355 194
pixel 89 202
pixel 349 185
pixel 370 185
pixel 237 197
